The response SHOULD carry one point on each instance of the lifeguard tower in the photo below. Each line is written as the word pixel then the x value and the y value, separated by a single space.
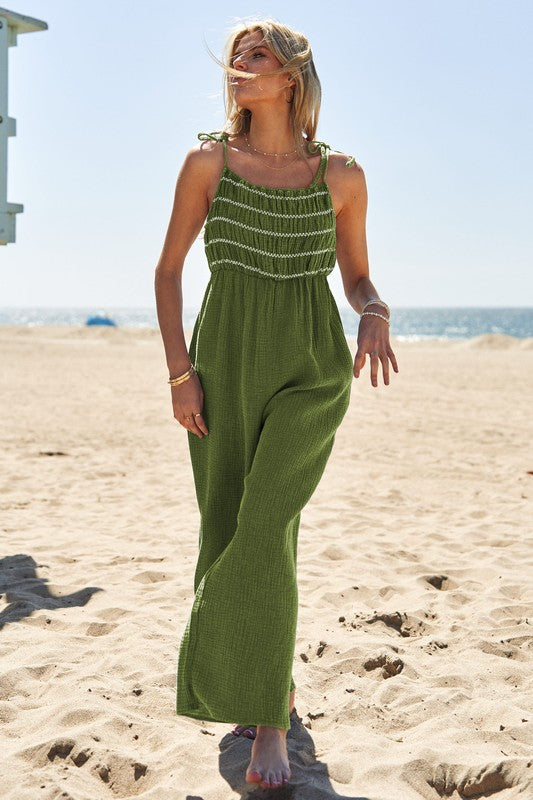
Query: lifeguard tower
pixel 11 24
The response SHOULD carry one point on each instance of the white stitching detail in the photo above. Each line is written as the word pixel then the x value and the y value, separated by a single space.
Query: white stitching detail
pixel 272 255
pixel 270 274
pixel 274 188
pixel 270 233
pixel 271 213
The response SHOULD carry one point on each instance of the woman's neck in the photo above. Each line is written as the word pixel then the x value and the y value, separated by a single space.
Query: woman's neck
pixel 269 133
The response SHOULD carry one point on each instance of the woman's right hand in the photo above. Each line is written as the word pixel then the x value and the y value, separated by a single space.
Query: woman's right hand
pixel 188 403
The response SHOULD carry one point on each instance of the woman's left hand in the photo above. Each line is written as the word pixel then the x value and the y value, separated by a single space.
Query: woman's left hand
pixel 373 339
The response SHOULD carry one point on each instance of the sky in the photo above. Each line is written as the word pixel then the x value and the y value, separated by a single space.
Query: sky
pixel 432 98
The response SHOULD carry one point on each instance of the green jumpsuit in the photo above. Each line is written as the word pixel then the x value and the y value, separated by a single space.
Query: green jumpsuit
pixel 276 371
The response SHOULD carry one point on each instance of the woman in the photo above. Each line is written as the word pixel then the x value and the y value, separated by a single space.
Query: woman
pixel 267 377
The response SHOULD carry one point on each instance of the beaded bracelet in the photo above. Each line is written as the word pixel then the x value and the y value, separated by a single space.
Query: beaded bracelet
pixel 377 303
pixel 375 314
pixel 181 378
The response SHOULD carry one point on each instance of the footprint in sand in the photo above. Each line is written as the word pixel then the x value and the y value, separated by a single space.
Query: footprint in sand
pixel 480 781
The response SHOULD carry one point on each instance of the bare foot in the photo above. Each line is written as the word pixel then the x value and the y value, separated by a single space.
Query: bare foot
pixel 250 730
pixel 269 765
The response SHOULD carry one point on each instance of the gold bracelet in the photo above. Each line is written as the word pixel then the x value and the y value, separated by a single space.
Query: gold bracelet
pixel 180 378
pixel 182 375
pixel 375 314
pixel 176 382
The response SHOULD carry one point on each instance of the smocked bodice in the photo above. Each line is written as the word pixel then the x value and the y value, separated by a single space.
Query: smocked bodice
pixel 274 233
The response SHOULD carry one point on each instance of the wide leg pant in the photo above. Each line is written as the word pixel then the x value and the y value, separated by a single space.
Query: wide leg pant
pixel 277 377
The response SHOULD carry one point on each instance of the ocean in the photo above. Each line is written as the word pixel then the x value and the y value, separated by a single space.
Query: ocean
pixel 408 324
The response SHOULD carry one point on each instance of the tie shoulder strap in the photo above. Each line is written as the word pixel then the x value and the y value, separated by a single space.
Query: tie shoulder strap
pixel 313 145
pixel 216 136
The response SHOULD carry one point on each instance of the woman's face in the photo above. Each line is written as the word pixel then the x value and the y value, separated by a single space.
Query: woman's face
pixel 252 55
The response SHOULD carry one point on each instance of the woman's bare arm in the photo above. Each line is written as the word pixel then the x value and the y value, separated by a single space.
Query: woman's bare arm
pixel 352 254
pixel 188 215
pixel 352 257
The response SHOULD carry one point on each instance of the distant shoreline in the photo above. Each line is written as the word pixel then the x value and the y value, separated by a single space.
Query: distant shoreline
pixel 132 334
pixel 407 324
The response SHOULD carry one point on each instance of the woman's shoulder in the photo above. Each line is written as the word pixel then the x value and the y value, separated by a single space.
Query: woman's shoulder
pixel 340 158
pixel 345 168
pixel 345 175
pixel 209 142
pixel 337 158
pixel 206 153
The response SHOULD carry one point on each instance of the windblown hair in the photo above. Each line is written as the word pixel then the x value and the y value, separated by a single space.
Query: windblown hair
pixel 292 49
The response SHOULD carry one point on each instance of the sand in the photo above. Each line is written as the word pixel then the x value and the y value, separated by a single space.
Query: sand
pixel 414 652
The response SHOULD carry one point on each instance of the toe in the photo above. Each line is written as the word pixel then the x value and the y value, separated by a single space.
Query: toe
pixel 253 776
pixel 277 779
pixel 268 781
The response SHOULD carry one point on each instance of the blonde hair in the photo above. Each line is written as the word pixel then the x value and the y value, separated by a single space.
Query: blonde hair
pixel 292 49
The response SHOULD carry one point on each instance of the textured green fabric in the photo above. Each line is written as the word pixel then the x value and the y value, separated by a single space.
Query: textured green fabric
pixel 276 371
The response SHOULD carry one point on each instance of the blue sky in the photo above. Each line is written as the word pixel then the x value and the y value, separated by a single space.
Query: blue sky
pixel 432 98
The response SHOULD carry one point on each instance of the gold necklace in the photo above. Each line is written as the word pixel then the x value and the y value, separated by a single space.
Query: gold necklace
pixel 285 155
pixel 284 166
pixel 274 154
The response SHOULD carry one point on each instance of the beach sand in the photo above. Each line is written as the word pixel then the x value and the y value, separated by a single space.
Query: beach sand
pixel 414 651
